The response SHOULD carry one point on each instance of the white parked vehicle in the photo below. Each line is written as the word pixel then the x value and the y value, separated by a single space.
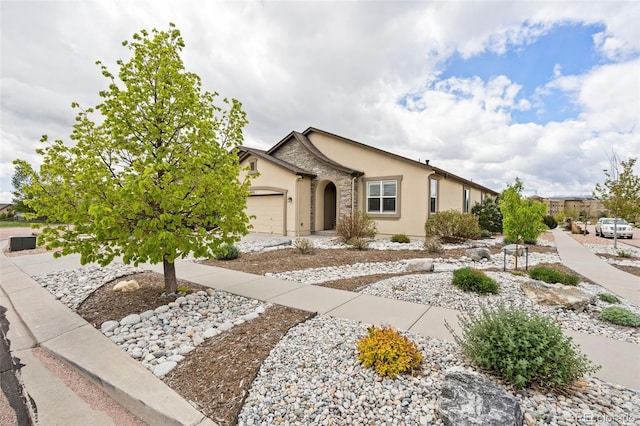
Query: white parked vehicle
pixel 605 228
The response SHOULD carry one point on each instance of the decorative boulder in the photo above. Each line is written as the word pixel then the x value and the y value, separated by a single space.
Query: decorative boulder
pixel 557 295
pixel 467 398
pixel 419 265
pixel 477 254
pixel 123 286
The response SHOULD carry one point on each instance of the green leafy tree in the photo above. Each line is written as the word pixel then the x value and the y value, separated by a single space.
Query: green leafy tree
pixel 156 177
pixel 522 218
pixel 489 215
pixel 620 192
pixel 20 178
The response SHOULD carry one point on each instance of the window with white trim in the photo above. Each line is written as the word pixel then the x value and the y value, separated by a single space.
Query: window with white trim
pixel 433 196
pixel 466 200
pixel 382 197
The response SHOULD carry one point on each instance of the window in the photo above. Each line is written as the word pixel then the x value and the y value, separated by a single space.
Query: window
pixel 466 199
pixel 382 196
pixel 433 195
pixel 253 166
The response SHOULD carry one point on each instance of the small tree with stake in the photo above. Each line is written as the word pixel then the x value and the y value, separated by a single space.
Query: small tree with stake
pixel 620 192
pixel 522 219
pixel 156 177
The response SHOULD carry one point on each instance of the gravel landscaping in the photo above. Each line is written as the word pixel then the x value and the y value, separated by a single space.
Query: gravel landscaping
pixel 306 369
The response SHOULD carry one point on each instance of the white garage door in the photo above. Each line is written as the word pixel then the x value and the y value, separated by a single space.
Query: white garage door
pixel 269 213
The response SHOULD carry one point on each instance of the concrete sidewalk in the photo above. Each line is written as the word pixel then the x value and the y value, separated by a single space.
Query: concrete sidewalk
pixel 70 338
pixel 585 262
pixel 37 319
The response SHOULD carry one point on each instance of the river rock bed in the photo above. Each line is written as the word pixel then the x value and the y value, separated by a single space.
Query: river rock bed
pixel 313 377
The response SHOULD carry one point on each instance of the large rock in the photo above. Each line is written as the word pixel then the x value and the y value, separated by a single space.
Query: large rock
pixel 467 398
pixel 419 265
pixel 479 253
pixel 561 295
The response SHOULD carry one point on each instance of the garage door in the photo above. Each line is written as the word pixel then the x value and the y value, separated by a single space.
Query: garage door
pixel 269 213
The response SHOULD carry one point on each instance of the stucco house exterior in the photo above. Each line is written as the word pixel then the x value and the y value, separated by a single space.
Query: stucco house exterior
pixel 309 179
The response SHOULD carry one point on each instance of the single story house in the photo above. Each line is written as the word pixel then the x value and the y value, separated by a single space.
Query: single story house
pixel 308 180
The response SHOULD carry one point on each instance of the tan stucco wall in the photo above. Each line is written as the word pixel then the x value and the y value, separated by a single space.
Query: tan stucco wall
pixel 274 179
pixel 414 195
pixel 413 187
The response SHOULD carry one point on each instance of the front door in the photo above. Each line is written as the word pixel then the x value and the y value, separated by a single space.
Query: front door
pixel 330 206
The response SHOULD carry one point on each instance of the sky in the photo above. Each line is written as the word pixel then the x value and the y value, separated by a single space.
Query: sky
pixel 546 91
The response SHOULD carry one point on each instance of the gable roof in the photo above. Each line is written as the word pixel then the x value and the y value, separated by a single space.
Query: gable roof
pixel 244 152
pixel 302 138
pixel 426 165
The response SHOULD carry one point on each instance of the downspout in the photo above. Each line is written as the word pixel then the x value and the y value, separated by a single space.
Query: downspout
pixel 298 205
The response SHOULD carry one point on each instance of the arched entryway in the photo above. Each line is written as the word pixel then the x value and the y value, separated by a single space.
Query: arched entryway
pixel 329 201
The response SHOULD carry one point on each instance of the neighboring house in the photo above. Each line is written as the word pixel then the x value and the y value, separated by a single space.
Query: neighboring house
pixel 308 180
pixel 5 208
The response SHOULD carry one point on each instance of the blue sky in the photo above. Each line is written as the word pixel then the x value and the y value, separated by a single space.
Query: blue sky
pixel 566 48
pixel 491 91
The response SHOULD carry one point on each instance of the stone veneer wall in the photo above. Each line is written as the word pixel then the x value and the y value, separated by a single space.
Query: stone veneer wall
pixel 295 153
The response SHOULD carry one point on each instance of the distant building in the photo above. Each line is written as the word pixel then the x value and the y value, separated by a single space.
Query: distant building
pixel 580 207
pixel 4 208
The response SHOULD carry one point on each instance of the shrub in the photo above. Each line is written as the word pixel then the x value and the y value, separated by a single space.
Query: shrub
pixel 469 279
pixel 400 238
pixel 229 252
pixel 489 215
pixel 624 254
pixel 359 243
pixel 609 298
pixel 552 276
pixel 356 225
pixel 485 233
pixel 304 246
pixel 389 352
pixel 433 245
pixel 529 241
pixel 620 316
pixel 521 347
pixel 452 226
pixel 550 221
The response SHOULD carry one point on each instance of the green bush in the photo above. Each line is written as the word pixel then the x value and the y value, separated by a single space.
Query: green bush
pixel 550 221
pixel 521 347
pixel 485 233
pixel 625 254
pixel 389 352
pixel 609 298
pixel 620 316
pixel 359 243
pixel 526 241
pixel 469 279
pixel 229 252
pixel 452 226
pixel 552 276
pixel 489 215
pixel 400 238
pixel 356 225
pixel 433 245
pixel 304 246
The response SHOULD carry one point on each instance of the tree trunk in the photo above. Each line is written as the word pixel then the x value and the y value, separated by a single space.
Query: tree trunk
pixel 170 281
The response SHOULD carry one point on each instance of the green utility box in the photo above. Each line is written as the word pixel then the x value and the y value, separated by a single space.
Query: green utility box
pixel 22 243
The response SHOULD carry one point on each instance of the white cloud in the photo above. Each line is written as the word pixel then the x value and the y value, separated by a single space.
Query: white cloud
pixel 343 67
